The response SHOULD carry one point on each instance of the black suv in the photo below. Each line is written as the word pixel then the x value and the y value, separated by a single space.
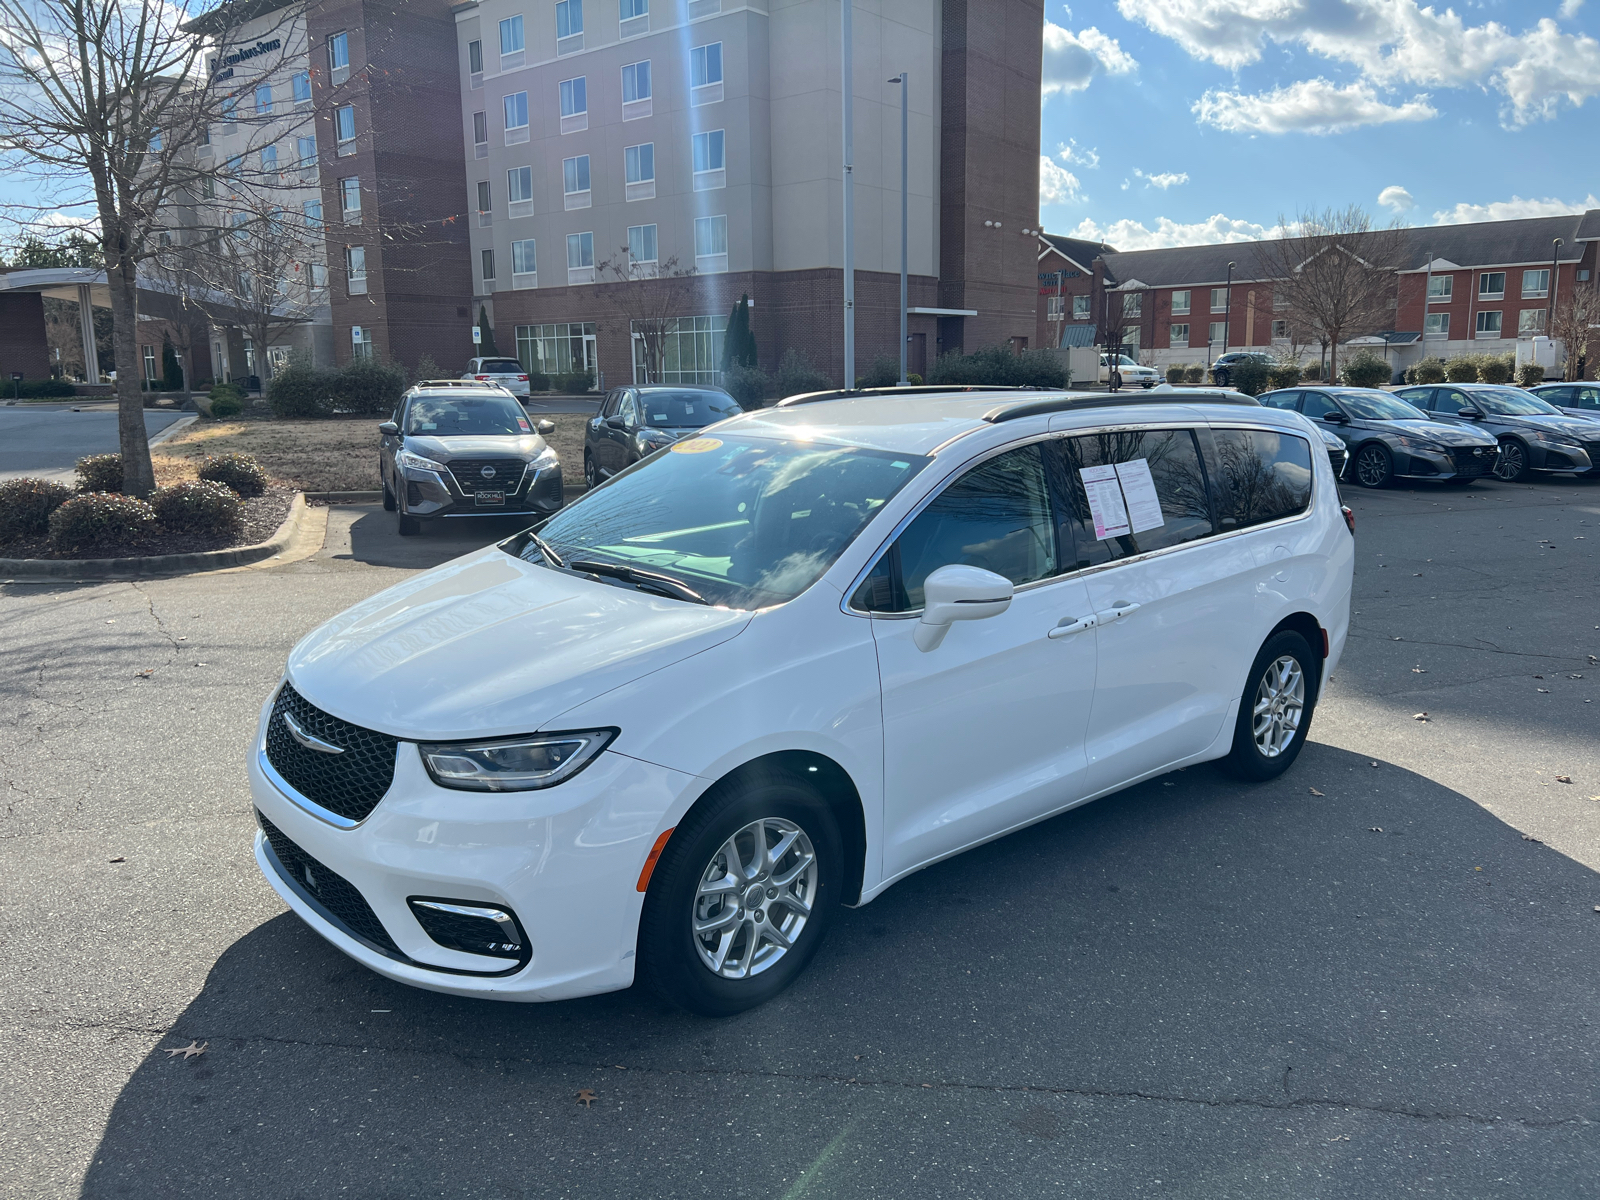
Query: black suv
pixel 1534 435
pixel 635 422
pixel 1389 437
pixel 1221 369
pixel 465 450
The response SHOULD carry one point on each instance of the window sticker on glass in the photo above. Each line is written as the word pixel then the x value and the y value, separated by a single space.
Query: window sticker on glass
pixel 697 445
pixel 1105 501
pixel 1139 491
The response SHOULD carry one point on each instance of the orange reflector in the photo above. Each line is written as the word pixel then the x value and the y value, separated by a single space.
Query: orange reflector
pixel 650 863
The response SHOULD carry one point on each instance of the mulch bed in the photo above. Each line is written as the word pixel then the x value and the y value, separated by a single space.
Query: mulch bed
pixel 262 516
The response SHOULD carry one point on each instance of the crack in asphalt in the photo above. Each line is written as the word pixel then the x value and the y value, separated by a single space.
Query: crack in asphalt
pixel 1492 648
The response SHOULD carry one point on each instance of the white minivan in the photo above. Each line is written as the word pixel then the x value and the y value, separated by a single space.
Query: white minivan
pixel 779 666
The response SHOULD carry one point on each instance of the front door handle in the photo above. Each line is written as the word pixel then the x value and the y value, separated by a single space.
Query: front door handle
pixel 1071 625
pixel 1116 611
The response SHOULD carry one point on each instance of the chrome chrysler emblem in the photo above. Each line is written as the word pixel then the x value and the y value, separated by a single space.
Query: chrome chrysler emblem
pixel 487 472
pixel 308 740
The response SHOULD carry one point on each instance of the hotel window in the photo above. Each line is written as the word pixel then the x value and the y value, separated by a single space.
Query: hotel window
pixel 1280 331
pixel 485 204
pixel 705 74
pixel 480 135
pixel 487 259
pixel 269 159
pixel 711 244
pixel 1130 339
pixel 635 16
pixel 264 100
pixel 580 258
pixel 1219 299
pixel 1179 335
pixel 350 199
pixel 1436 325
pixel 1536 284
pixel 1217 332
pixel 634 8
pixel 575 181
pixel 516 114
pixel 1054 306
pixel 306 151
pixel 360 342
pixel 636 94
pixel 302 89
pixel 1441 286
pixel 1180 303
pixel 150 363
pixel 344 126
pixel 338 58
pixel 1080 308
pixel 641 245
pixel 1530 321
pixel 1491 284
pixel 569 26
pixel 1489 324
pixel 355 265
pixel 319 272
pixel 230 113
pixel 639 166
pixel 519 192
pixel 510 43
pixel 475 63
pixel 709 161
pixel 313 213
pixel 574 104
pixel 524 264
pixel 208 187
pixel 1133 304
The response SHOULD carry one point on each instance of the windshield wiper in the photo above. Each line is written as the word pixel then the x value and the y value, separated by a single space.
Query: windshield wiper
pixel 543 547
pixel 665 584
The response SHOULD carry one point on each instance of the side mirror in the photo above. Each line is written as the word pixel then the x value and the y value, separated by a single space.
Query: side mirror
pixel 546 427
pixel 1336 418
pixel 616 422
pixel 959 593
pixel 1470 414
pixel 388 429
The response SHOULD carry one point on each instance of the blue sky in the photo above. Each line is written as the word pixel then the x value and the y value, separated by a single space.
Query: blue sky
pixel 1173 122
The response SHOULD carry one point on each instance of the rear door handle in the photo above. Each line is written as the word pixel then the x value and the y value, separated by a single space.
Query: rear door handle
pixel 1105 616
pixel 1070 625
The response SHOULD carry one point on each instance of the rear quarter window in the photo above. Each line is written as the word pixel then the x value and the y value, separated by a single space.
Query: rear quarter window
pixel 1261 476
pixel 1130 492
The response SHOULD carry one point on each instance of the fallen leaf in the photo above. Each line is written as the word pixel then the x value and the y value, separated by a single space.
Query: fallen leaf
pixel 1574 676
pixel 1314 792
pixel 111 620
pixel 1546 691
pixel 1375 829
pixel 144 674
pixel 586 1097
pixel 927 1085
pixel 1538 676
pixel 1421 716
pixel 1528 837
pixel 189 1051
pixel 119 858
pixel 183 638
pixel 1418 671
pixel 1563 778
pixel 1372 764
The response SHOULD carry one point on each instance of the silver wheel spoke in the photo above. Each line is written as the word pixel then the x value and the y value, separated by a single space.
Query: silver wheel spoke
pixel 720 887
pixel 785 878
pixel 721 954
pixel 727 917
pixel 754 899
pixel 1279 704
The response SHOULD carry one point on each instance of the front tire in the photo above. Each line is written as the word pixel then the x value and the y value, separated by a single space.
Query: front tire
pixel 409 526
pixel 389 502
pixel 1280 695
pixel 591 474
pixel 1374 466
pixel 1511 464
pixel 742 896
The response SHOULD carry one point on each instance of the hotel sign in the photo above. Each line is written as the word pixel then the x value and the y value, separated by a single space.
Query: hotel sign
pixel 243 54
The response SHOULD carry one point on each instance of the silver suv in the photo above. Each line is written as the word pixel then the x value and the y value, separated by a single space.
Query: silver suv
pixel 507 372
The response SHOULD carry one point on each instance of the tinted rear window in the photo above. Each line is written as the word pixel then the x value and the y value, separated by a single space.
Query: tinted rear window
pixel 500 366
pixel 1261 476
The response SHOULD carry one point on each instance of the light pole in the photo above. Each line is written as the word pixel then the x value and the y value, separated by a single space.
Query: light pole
pixel 846 79
pixel 905 183
pixel 1227 311
pixel 1427 301
pixel 1555 255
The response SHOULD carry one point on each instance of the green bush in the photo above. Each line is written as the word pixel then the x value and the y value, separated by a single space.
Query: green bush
pixel 100 473
pixel 200 506
pixel 913 378
pixel 1497 368
pixel 300 390
pixel 1283 375
pixel 1529 374
pixel 1462 370
pixel 1175 373
pixel 26 505
pixel 102 521
pixel 1194 373
pixel 998 366
pixel 37 389
pixel 577 383
pixel 1250 377
pixel 1429 370
pixel 796 374
pixel 884 372
pixel 428 369
pixel 538 381
pixel 227 391
pixel 1312 371
pixel 238 472
pixel 368 385
pixel 1366 370
pixel 748 385
pixel 226 406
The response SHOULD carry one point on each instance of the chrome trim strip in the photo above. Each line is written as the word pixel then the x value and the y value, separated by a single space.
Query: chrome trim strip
pixel 498 915
pixel 295 798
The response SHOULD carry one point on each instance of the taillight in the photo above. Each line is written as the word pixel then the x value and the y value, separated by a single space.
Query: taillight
pixel 1349 518
pixel 522 379
pixel 483 377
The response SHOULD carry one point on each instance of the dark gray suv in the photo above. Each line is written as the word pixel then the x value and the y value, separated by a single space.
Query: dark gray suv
pixel 635 422
pixel 465 450
pixel 1534 435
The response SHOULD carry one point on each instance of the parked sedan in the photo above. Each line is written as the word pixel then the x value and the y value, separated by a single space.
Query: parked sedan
pixel 465 452
pixel 1574 399
pixel 1390 438
pixel 1222 368
pixel 635 422
pixel 507 372
pixel 1534 435
pixel 1131 372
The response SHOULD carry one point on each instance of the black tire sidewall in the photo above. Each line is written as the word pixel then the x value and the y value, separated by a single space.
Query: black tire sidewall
pixel 668 962
pixel 1245 760
pixel 1388 458
pixel 1521 450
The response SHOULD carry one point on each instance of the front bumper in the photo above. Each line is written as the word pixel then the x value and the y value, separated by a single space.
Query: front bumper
pixel 1557 456
pixel 432 494
pixel 565 860
pixel 1463 462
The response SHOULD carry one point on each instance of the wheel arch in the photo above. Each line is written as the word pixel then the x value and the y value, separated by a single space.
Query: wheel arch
pixel 1308 627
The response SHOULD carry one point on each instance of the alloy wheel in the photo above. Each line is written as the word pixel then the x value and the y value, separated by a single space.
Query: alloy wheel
pixel 1372 466
pixel 591 477
pixel 1512 462
pixel 1280 701
pixel 754 898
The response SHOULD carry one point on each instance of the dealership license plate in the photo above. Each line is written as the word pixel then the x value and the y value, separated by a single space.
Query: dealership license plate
pixel 488 498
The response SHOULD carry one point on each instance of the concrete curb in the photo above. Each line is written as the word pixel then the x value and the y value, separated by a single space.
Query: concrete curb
pixel 374 497
pixel 58 570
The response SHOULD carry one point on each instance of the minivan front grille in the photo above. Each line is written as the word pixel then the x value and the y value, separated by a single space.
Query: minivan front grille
pixel 469 474
pixel 348 783
pixel 340 900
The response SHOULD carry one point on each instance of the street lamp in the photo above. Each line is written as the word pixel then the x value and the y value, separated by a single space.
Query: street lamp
pixel 902 79
pixel 847 77
pixel 1227 310
pixel 1555 254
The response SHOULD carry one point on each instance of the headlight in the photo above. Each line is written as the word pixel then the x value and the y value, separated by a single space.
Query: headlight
pixel 547 458
pixel 1557 439
pixel 654 439
pixel 513 764
pixel 416 462
pixel 1424 447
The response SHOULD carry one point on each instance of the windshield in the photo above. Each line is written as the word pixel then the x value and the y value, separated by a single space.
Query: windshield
pixel 743 521
pixel 686 408
pixel 1379 406
pixel 499 366
pixel 448 416
pixel 1508 402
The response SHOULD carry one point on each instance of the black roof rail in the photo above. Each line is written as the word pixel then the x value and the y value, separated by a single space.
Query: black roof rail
pixel 913 389
pixel 1070 401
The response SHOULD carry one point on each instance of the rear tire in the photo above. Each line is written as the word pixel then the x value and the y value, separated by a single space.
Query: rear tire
pixel 1280 696
pixel 1220 378
pixel 680 965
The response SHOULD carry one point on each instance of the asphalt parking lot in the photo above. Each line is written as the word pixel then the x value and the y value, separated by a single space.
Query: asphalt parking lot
pixel 46 440
pixel 1373 977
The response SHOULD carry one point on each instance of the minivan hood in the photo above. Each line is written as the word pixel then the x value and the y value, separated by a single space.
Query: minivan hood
pixel 489 645
pixel 443 449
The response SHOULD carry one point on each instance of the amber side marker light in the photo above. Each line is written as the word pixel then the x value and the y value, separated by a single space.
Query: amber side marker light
pixel 650 863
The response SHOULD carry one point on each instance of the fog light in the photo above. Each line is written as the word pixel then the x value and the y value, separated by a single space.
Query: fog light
pixel 471 928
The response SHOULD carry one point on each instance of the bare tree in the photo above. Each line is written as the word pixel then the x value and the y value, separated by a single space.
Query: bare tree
pixel 1577 327
pixel 654 297
pixel 1336 271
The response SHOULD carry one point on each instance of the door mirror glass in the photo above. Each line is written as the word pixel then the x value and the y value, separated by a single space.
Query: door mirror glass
pixel 959 592
pixel 388 429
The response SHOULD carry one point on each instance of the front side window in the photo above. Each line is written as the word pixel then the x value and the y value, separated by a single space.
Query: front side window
pixel 1262 476
pixel 705 65
pixel 575 174
pixel 1489 324
pixel 708 151
pixel 1131 492
pixel 511 35
pixel 1180 302
pixel 516 107
pixel 640 162
pixel 1492 283
pixel 569 18
pixel 745 522
pixel 1318 406
pixel 580 251
pixel 1440 287
pixel 636 82
pixel 642 243
pixel 574 96
pixel 264 100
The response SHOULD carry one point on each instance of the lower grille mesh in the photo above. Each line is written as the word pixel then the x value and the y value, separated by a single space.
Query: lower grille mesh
pixel 339 898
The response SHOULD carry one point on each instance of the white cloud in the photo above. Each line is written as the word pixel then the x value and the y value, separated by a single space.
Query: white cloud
pixel 1071 60
pixel 1396 197
pixel 1308 106
pixel 1164 180
pixel 1057 185
pixel 1391 42
pixel 1070 152
pixel 1513 209
pixel 1133 235
pixel 1569 8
